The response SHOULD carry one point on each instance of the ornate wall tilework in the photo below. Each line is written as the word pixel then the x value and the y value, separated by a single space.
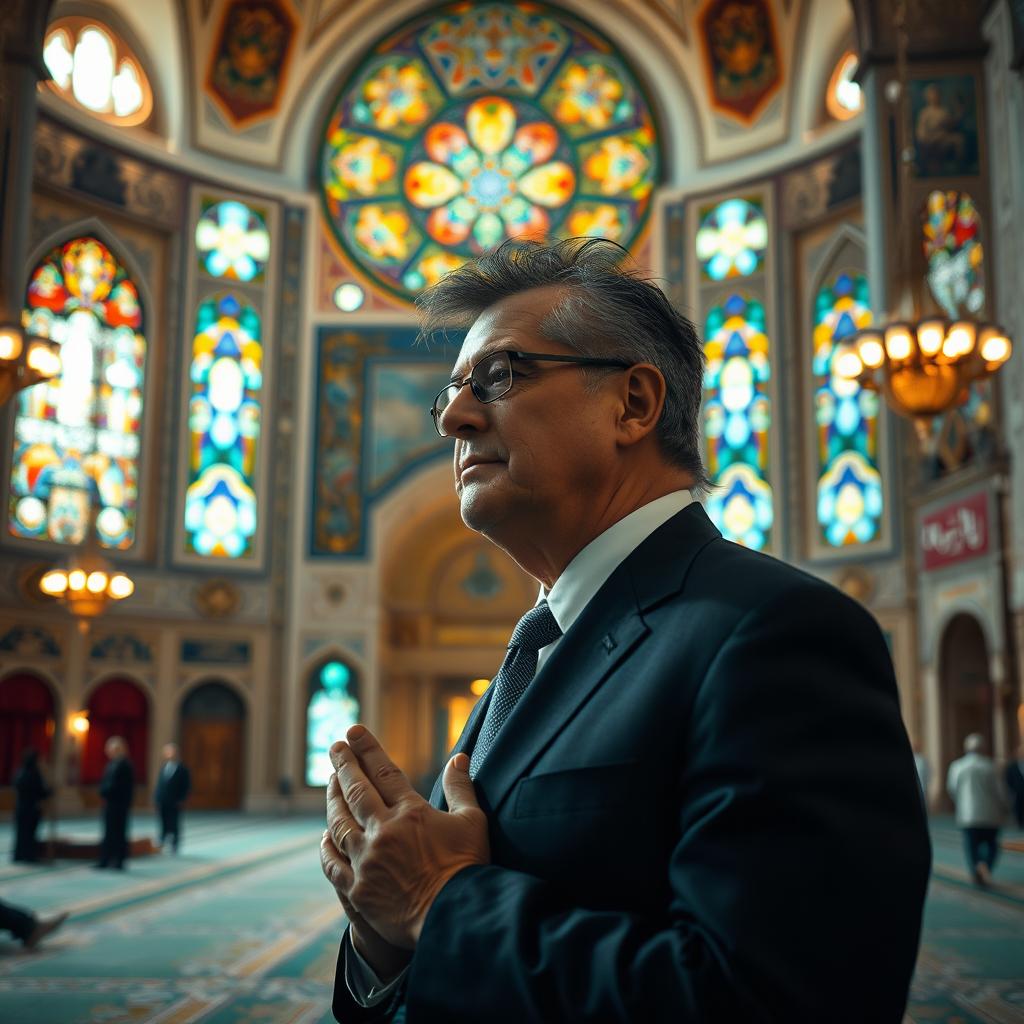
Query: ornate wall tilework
pixel 30 640
pixel 121 647
pixel 216 652
pixel 249 64
pixel 69 161
pixel 741 55
pixel 372 426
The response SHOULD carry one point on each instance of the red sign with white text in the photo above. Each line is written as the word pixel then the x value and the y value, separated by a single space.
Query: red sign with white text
pixel 956 533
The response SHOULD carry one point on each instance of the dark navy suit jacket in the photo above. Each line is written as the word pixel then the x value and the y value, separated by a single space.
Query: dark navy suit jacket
pixel 704 809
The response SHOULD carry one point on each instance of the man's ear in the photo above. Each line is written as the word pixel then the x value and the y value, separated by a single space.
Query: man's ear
pixel 643 398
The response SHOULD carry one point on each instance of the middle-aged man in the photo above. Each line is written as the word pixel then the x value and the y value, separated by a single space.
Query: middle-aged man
pixel 116 788
pixel 173 785
pixel 688 794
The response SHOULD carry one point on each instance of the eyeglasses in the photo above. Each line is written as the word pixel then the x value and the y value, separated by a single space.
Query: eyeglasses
pixel 491 378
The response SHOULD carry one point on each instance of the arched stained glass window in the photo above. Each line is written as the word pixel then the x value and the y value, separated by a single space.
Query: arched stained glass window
pixel 478 123
pixel 732 239
pixel 224 428
pixel 737 417
pixel 232 241
pixel 952 248
pixel 849 487
pixel 332 708
pixel 77 438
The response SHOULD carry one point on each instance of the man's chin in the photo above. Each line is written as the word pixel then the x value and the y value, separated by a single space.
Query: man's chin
pixel 480 511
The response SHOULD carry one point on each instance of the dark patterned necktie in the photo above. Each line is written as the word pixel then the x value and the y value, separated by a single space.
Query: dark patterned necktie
pixel 536 629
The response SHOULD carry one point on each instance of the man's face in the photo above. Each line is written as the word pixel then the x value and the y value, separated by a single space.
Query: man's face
pixel 170 752
pixel 535 458
pixel 114 748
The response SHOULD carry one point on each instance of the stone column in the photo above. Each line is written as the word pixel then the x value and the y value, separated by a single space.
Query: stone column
pixel 22 26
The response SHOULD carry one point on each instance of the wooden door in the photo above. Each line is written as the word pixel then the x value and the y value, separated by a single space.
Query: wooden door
pixel 212 750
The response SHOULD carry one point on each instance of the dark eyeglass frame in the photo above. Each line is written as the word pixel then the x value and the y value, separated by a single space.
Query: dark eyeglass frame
pixel 513 356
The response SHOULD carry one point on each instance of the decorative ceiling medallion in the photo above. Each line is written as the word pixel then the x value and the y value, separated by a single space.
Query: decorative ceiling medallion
pixel 217 599
pixel 741 56
pixel 249 63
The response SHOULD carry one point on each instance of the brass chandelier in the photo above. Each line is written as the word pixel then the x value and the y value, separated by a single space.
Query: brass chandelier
pixel 920 360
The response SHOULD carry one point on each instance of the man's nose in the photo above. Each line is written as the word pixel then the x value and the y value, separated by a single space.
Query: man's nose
pixel 464 414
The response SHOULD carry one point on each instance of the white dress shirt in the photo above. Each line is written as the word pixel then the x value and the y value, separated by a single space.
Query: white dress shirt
pixel 582 578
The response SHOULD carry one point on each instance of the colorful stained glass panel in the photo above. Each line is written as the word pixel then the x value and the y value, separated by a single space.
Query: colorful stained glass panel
pixel 737 420
pixel 77 438
pixel 732 239
pixel 225 413
pixel 952 248
pixel 849 488
pixel 333 708
pixel 232 241
pixel 479 123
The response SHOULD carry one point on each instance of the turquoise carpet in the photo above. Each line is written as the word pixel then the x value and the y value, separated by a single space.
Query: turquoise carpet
pixel 241 927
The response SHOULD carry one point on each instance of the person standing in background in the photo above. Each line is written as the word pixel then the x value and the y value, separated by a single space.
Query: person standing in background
pixel 31 790
pixel 1015 784
pixel 975 789
pixel 172 789
pixel 116 788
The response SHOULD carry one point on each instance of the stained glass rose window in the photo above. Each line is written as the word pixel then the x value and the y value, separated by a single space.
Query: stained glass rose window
pixel 480 123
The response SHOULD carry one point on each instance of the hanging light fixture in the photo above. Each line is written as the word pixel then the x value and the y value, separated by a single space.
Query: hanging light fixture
pixel 25 359
pixel 87 582
pixel 920 360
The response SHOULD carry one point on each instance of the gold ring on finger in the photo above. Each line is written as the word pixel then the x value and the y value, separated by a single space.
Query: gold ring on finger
pixel 341 841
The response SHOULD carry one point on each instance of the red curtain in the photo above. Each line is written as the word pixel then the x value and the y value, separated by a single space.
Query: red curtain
pixel 26 720
pixel 117 707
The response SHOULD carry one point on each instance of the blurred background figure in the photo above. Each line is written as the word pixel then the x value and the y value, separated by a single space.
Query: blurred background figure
pixel 25 925
pixel 30 791
pixel 172 789
pixel 976 791
pixel 116 789
pixel 1015 784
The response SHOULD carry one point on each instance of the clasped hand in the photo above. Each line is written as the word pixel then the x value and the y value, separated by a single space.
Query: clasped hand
pixel 386 851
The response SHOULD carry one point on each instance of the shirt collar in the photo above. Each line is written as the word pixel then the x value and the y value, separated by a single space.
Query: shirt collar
pixel 584 575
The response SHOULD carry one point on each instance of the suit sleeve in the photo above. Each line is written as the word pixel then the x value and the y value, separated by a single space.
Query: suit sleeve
pixel 797 876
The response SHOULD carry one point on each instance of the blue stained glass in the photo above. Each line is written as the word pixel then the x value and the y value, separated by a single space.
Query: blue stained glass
pixel 737 419
pixel 224 429
pixel 333 708
pixel 732 239
pixel 849 488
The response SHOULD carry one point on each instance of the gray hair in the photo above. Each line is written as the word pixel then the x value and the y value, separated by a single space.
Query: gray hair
pixel 607 310
pixel 975 743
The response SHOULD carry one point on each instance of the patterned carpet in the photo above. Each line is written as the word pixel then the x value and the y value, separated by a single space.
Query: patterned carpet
pixel 240 928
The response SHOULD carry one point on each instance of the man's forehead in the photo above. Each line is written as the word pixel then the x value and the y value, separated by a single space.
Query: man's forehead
pixel 507 322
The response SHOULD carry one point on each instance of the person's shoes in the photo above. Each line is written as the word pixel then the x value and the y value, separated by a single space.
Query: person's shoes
pixel 44 925
pixel 983 874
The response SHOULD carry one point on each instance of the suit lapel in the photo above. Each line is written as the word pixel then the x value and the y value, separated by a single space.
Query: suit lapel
pixel 609 630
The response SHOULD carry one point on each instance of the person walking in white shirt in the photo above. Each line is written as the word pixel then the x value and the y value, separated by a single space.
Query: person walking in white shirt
pixel 977 793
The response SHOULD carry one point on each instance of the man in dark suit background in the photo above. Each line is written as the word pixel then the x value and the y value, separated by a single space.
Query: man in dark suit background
pixel 116 788
pixel 1015 785
pixel 172 788
pixel 688 794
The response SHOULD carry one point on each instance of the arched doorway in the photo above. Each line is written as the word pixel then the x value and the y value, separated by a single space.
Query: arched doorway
pixel 213 745
pixel 117 707
pixel 966 686
pixel 27 719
